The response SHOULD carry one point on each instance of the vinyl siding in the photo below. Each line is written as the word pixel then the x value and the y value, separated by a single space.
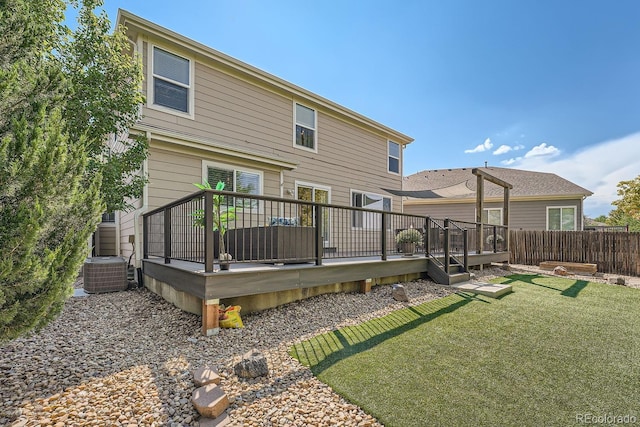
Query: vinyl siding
pixel 524 215
pixel 234 111
pixel 172 174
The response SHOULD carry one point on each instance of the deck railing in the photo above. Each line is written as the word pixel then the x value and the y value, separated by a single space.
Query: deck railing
pixel 263 229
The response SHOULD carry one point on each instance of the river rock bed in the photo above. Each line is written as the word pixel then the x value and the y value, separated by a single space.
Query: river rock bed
pixel 127 359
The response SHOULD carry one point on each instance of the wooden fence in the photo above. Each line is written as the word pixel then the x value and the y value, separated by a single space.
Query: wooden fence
pixel 613 252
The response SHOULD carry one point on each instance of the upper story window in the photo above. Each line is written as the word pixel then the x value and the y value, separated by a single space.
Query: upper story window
pixel 561 218
pixel 305 131
pixel 171 86
pixel 394 157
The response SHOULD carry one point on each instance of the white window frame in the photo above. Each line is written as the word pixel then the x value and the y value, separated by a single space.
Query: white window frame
pixel 399 158
pixel 575 217
pixel 150 89
pixel 364 222
pixel 315 128
pixel 206 164
pixel 314 187
pixel 494 209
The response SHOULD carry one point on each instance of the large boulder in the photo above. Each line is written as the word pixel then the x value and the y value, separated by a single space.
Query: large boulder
pixel 399 293
pixel 252 365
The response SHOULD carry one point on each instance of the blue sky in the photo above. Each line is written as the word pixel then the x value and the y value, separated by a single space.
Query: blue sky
pixel 550 86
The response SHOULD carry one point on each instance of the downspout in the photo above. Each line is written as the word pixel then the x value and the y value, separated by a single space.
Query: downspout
pixel 137 47
pixel 281 184
pixel 137 223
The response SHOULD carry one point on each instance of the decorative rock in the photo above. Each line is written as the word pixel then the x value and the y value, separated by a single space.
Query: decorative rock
pixel 206 375
pixel 222 420
pixel 560 271
pixel 252 365
pixel 399 293
pixel 210 401
pixel 617 281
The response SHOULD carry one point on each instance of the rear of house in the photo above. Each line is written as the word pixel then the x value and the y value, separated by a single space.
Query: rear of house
pixel 210 117
pixel 538 201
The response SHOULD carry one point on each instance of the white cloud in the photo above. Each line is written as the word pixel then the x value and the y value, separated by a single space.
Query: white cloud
pixel 486 145
pixel 598 168
pixel 542 150
pixel 518 147
pixel 503 149
pixel 512 161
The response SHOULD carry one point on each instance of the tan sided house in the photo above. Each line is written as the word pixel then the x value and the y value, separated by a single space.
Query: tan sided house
pixel 310 202
pixel 211 117
pixel 539 201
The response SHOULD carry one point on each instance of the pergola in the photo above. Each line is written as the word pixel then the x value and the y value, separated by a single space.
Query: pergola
pixel 481 176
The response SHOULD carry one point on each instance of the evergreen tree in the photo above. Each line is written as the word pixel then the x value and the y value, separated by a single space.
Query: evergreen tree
pixel 49 206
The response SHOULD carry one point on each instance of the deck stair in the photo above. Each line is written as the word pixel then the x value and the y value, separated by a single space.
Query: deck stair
pixel 456 274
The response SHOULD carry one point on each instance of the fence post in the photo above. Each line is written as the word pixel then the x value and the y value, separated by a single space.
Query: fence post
pixel 318 219
pixel 385 223
pixel 447 260
pixel 208 232
pixel 167 235
pixel 495 239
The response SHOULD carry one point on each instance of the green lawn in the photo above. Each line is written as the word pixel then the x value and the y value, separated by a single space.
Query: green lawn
pixel 548 353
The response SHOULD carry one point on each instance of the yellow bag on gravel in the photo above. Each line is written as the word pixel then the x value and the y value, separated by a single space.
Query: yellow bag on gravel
pixel 231 318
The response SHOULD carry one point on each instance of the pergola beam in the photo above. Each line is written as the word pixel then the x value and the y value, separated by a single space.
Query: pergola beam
pixel 481 176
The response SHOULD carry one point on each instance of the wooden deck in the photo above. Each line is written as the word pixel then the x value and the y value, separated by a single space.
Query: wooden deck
pixel 187 285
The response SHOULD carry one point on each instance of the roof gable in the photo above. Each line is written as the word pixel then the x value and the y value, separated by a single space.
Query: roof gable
pixel 441 183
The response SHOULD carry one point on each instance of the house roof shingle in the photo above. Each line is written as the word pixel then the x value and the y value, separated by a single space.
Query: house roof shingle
pixel 461 184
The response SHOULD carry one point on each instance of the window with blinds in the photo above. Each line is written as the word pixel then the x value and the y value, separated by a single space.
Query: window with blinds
pixel 236 180
pixel 171 80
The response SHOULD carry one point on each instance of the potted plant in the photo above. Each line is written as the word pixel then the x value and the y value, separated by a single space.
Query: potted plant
pixel 222 214
pixel 407 240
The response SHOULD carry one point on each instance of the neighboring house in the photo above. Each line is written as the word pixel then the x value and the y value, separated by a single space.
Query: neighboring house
pixel 209 116
pixel 538 201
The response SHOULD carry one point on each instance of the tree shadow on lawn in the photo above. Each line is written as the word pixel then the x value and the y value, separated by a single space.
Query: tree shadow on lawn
pixel 536 280
pixel 323 351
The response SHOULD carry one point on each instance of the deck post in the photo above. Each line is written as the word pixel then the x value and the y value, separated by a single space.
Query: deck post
pixel 447 259
pixel 365 286
pixel 210 313
pixel 319 243
pixel 465 246
pixel 385 221
pixel 167 235
pixel 427 236
pixel 208 232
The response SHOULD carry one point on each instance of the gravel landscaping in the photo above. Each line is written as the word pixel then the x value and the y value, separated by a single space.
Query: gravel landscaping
pixel 127 358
